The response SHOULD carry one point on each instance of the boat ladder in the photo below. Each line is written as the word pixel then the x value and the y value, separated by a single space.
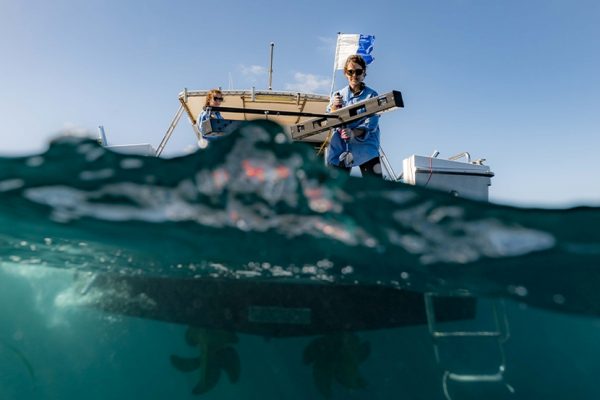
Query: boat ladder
pixel 387 167
pixel 467 343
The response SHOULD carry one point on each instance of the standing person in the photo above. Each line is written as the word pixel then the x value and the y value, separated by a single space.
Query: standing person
pixel 214 98
pixel 355 144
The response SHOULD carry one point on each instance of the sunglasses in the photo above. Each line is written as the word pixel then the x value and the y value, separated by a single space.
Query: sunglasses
pixel 357 72
pixel 217 98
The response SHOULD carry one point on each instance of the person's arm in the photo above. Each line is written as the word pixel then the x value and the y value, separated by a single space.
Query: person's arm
pixel 368 125
pixel 203 117
pixel 361 131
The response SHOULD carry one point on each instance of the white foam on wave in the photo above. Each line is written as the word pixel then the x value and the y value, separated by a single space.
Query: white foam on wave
pixel 157 204
pixel 442 234
pixel 11 184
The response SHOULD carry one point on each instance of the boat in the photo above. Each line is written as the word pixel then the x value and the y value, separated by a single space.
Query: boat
pixel 277 308
pixel 282 308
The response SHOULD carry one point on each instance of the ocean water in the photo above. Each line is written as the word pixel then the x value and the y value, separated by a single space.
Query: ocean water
pixel 251 271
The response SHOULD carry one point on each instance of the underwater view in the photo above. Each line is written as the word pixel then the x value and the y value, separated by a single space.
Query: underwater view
pixel 250 270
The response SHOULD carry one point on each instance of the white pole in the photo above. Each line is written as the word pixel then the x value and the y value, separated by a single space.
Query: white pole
pixel 337 49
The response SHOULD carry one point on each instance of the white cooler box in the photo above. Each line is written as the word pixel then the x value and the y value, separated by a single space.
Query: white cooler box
pixel 463 179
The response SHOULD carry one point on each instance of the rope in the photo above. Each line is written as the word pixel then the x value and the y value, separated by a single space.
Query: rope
pixel 325 143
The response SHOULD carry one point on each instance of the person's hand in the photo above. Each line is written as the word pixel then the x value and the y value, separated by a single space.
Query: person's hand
pixel 346 134
pixel 337 101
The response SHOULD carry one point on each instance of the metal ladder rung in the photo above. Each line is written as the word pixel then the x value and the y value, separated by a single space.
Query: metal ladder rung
pixel 497 377
pixel 437 334
pixel 465 378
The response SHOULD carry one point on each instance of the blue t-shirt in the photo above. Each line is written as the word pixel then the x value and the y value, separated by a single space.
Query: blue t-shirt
pixel 203 117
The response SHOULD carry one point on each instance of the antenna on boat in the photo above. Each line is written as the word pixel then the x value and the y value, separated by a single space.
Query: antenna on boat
pixel 271 68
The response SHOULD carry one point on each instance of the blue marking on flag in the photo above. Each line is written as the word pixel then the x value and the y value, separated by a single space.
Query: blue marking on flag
pixel 365 47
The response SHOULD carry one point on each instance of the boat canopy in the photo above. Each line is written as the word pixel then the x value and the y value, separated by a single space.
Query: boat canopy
pixel 302 115
pixel 268 101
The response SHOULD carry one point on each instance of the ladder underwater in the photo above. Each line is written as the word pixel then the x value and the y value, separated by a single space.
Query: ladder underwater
pixel 498 334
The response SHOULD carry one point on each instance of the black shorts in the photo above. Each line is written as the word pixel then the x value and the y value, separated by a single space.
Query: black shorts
pixel 371 167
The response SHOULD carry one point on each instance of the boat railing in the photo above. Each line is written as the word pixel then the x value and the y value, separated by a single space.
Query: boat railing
pixel 461 155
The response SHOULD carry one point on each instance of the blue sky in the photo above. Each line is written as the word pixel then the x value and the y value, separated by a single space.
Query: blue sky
pixel 516 82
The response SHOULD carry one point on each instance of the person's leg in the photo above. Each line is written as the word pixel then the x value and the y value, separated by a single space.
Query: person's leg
pixel 371 167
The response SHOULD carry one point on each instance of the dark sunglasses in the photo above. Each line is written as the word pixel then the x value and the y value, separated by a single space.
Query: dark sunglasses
pixel 217 98
pixel 357 72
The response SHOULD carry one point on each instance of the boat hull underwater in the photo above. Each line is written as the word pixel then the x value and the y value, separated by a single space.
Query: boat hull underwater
pixel 271 308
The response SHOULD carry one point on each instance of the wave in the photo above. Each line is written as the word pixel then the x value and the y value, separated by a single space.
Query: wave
pixel 256 206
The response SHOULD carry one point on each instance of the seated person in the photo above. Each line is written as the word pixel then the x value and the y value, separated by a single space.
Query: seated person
pixel 214 98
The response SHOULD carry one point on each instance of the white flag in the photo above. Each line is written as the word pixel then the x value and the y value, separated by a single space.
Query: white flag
pixel 353 43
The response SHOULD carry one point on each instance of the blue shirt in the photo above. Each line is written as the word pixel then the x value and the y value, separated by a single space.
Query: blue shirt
pixel 363 148
pixel 203 117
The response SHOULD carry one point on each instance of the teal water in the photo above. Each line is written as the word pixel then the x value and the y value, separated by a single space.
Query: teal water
pixel 256 208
